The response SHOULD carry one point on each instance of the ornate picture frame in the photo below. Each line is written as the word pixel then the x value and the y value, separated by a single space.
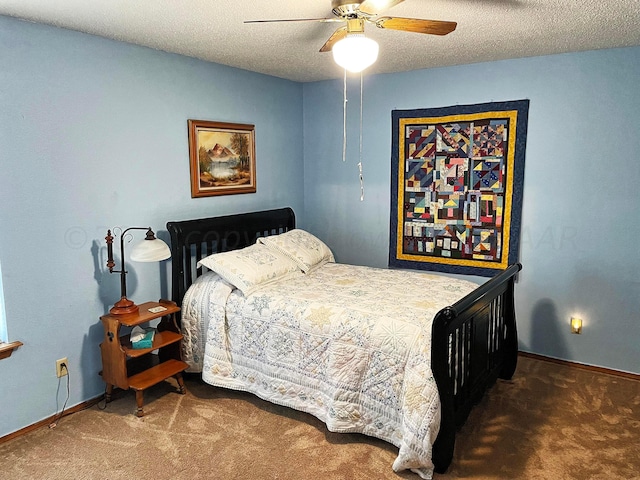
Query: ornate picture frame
pixel 222 158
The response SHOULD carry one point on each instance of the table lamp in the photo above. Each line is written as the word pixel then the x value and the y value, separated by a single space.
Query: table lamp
pixel 151 249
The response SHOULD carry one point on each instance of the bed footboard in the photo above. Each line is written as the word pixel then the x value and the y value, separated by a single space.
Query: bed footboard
pixel 474 341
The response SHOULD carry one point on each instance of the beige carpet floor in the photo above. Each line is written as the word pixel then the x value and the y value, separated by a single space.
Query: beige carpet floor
pixel 550 422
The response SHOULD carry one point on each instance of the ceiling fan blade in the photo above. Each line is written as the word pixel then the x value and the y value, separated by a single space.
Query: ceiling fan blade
pixel 375 7
pixel 324 20
pixel 339 34
pixel 431 27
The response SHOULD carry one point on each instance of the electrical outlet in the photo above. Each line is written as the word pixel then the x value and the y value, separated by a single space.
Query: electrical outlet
pixel 62 367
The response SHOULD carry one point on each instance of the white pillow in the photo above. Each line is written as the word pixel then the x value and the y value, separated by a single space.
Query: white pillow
pixel 251 267
pixel 308 251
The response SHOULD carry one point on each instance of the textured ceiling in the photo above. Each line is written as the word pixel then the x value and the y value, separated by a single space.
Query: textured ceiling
pixel 214 30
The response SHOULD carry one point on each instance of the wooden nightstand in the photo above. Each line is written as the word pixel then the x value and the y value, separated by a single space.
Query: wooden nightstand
pixel 126 367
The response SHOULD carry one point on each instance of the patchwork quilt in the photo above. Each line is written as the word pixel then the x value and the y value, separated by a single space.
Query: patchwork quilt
pixel 348 344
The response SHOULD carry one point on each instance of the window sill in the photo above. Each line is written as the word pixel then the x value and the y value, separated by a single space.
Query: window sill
pixel 6 349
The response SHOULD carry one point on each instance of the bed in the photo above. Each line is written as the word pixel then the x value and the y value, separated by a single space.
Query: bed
pixel 351 345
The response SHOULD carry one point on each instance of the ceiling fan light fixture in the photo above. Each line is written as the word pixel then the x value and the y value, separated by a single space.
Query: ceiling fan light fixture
pixel 355 52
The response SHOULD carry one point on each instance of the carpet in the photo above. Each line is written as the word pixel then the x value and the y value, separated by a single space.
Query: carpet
pixel 550 422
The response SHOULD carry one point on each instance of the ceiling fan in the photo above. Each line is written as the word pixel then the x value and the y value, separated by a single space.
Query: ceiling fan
pixel 353 51
pixel 355 13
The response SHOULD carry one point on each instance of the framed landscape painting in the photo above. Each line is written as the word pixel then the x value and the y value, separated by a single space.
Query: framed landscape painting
pixel 222 158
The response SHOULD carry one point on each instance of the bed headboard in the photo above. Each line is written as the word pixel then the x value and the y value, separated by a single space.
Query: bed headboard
pixel 192 240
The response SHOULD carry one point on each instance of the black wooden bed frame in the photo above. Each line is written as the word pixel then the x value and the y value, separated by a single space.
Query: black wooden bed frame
pixel 474 341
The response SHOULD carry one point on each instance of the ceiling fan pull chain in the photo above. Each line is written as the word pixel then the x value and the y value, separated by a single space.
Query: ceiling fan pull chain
pixel 361 182
pixel 344 118
pixel 360 162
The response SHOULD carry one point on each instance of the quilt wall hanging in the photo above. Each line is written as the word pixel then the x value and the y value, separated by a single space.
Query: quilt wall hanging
pixel 456 187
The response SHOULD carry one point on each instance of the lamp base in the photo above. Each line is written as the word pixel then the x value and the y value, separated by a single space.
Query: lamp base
pixel 123 306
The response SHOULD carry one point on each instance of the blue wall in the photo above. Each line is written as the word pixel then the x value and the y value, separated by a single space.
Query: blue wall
pixel 93 134
pixel 581 202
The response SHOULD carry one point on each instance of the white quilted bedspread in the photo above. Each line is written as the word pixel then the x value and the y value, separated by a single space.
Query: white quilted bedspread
pixel 348 344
